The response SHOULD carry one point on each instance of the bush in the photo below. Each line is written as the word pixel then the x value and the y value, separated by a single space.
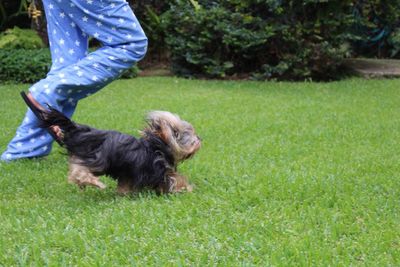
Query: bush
pixel 24 65
pixel 17 38
pixel 261 38
pixel 377 28
pixel 31 65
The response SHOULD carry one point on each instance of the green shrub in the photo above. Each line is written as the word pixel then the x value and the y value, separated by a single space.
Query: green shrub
pixel 261 38
pixel 377 28
pixel 31 65
pixel 17 38
pixel 24 65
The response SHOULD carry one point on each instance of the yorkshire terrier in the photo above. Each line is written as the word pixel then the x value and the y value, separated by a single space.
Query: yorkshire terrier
pixel 150 161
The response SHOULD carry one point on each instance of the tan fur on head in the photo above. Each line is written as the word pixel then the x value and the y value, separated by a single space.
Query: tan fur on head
pixel 178 134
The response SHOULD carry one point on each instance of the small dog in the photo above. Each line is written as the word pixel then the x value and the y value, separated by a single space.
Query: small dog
pixel 148 162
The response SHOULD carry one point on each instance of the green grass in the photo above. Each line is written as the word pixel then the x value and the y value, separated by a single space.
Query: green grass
pixel 289 174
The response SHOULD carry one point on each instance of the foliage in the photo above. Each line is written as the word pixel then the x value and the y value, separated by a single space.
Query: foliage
pixel 17 38
pixel 262 38
pixel 290 174
pixel 149 14
pixel 377 28
pixel 24 65
pixel 31 65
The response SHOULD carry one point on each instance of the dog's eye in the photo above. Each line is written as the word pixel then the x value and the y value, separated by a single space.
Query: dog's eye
pixel 176 133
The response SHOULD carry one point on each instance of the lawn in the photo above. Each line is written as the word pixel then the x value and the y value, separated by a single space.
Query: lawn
pixel 289 174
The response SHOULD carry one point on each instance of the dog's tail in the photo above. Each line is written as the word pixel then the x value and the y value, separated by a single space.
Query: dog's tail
pixel 49 118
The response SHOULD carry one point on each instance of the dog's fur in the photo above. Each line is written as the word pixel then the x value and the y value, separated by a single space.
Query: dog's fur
pixel 148 162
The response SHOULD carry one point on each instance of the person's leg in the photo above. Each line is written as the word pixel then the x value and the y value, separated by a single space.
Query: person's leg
pixel 113 23
pixel 31 141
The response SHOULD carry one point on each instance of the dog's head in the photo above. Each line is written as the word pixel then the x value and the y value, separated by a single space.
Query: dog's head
pixel 178 134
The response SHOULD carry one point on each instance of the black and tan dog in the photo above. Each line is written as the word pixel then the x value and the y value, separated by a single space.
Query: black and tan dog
pixel 148 162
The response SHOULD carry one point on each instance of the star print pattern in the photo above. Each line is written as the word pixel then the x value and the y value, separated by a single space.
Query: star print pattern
pixel 76 73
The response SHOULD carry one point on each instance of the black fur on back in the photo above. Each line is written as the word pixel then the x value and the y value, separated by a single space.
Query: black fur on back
pixel 141 163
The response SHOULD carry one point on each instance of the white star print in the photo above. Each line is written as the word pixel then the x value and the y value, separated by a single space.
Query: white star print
pixel 46 86
pixel 77 43
pixel 86 11
pixel 71 15
pixel 54 31
pixel 61 75
pixel 96 65
pixel 109 39
pixel 69 91
pixel 44 148
pixel 125 8
pixel 99 24
pixel 85 19
pixel 129 36
pixel 19 144
pixel 89 2
pixel 121 20
pixel 8 156
pixel 71 51
pixel 90 58
pixel 94 78
pixel 96 35
pixel 80 73
pixel 101 16
pixel 76 68
pixel 32 140
pixel 111 58
pixel 42 137
pixel 51 6
pixel 62 41
pixel 30 131
pixel 47 91
pixel 62 15
pixel 61 60
pixel 112 5
pixel 63 80
pixel 73 25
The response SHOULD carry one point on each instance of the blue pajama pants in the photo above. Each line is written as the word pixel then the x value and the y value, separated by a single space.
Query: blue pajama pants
pixel 75 73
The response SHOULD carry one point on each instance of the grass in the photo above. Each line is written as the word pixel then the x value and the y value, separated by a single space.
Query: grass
pixel 289 174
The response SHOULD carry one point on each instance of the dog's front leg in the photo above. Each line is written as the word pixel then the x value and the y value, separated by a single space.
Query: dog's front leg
pixel 82 176
pixel 179 183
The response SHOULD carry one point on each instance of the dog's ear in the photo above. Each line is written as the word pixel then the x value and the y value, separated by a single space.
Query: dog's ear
pixel 161 124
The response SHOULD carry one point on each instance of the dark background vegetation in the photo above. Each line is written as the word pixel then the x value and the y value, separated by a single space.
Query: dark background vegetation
pixel 235 39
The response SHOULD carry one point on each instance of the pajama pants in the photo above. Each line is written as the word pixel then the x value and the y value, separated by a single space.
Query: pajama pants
pixel 75 73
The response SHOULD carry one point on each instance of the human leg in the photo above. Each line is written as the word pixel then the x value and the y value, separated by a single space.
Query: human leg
pixel 30 140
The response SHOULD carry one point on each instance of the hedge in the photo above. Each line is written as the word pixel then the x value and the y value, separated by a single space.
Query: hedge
pixel 260 38
pixel 31 65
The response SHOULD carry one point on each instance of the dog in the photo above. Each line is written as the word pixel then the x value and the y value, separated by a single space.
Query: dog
pixel 150 161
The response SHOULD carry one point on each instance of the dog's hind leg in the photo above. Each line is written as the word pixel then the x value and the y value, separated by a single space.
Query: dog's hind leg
pixel 82 176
